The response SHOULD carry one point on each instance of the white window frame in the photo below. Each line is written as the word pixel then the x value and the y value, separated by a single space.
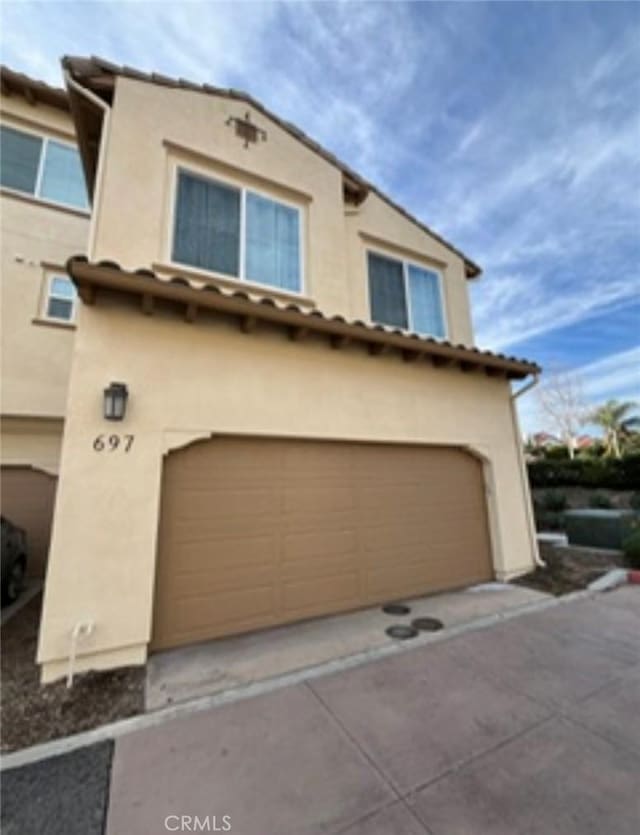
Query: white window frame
pixel 35 194
pixel 49 294
pixel 406 263
pixel 243 189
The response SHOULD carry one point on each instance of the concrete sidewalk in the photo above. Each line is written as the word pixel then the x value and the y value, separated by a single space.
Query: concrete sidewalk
pixel 529 726
pixel 188 673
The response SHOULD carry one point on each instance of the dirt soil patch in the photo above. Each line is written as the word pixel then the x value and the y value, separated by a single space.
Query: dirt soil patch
pixel 570 569
pixel 32 713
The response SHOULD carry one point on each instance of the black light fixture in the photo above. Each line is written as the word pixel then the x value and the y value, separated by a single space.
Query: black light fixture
pixel 115 401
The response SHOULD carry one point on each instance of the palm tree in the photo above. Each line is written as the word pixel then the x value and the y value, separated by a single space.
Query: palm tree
pixel 615 419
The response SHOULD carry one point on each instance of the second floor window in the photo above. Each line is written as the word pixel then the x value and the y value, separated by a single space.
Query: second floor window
pixel 236 232
pixel 61 299
pixel 42 167
pixel 405 296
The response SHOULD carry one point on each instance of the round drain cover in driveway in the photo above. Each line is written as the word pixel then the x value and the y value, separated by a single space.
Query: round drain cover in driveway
pixel 427 624
pixel 396 609
pixel 402 633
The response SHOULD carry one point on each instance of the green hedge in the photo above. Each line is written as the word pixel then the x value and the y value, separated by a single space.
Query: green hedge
pixel 611 473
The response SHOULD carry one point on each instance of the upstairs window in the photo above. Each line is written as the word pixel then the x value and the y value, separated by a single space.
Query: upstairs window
pixel 236 232
pixel 405 296
pixel 61 299
pixel 42 167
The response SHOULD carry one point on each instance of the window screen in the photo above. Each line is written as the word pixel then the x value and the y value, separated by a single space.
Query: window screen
pixel 272 243
pixel 19 159
pixel 207 225
pixel 62 177
pixel 386 291
pixel 425 302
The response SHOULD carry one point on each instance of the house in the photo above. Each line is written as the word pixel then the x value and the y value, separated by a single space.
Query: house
pixel 275 409
pixel 45 219
pixel 543 440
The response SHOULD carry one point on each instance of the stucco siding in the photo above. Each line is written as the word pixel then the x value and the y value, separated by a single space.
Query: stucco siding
pixel 153 129
pixel 188 381
pixel 31 442
pixel 37 239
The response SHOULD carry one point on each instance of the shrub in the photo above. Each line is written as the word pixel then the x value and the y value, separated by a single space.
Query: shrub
pixel 549 520
pixel 600 500
pixel 554 500
pixel 631 548
pixel 603 473
pixel 634 500
pixel 556 453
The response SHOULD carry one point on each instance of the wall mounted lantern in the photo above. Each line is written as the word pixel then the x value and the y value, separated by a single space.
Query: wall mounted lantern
pixel 115 401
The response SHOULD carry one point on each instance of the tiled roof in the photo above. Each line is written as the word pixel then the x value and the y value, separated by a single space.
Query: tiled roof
pixel 249 308
pixel 17 83
pixel 99 75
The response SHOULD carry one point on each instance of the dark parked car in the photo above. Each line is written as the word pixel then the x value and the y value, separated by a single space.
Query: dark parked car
pixel 14 560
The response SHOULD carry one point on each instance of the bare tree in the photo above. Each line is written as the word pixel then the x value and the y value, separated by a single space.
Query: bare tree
pixel 562 405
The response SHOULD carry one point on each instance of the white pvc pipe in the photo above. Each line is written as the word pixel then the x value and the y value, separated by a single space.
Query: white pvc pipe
pixel 82 629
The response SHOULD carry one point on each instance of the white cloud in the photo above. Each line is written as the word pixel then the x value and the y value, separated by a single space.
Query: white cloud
pixel 616 376
pixel 517 306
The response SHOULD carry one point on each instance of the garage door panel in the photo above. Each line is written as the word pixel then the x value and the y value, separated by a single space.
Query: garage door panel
pixel 303 460
pixel 221 528
pixel 203 583
pixel 303 548
pixel 317 569
pixel 308 597
pixel 219 505
pixel 199 616
pixel 311 523
pixel 226 555
pixel 256 532
pixel 317 498
pixel 407 574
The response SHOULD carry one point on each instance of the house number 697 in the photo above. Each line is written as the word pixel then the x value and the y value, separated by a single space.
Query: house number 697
pixel 112 442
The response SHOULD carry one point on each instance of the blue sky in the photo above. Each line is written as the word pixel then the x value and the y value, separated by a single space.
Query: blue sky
pixel 512 129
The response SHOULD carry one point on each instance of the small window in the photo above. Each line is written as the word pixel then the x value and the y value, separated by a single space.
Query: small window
pixel 42 167
pixel 406 296
pixel 236 232
pixel 61 299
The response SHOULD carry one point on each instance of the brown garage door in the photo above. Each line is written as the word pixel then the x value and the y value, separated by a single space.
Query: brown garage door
pixel 28 497
pixel 257 532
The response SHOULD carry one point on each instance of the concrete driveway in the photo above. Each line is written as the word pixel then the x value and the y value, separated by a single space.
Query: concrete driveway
pixel 187 673
pixel 529 726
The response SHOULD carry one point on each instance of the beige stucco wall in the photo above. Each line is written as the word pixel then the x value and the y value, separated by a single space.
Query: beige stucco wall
pixel 36 238
pixel 153 129
pixel 187 381
pixel 32 442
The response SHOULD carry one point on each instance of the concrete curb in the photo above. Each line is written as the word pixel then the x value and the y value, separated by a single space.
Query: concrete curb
pixel 611 580
pixel 122 727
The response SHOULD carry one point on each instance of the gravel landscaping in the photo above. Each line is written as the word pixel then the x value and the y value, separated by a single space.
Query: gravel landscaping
pixel 570 569
pixel 32 713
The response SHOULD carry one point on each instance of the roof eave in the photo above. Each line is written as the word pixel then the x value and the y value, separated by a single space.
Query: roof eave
pixel 90 279
pixel 33 90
